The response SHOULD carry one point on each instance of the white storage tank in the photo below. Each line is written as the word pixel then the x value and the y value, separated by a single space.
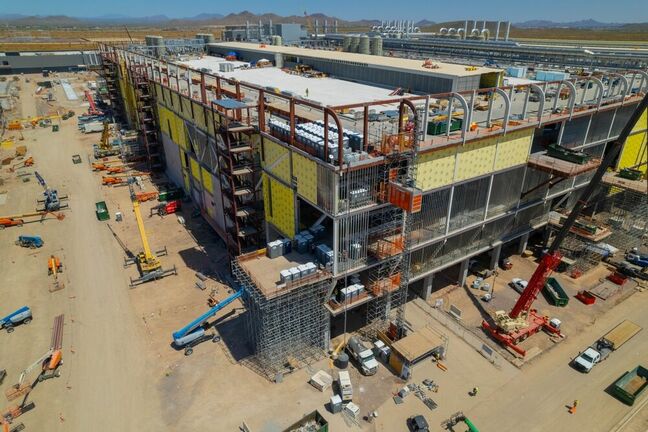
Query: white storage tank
pixel 376 45
pixel 346 43
pixel 355 43
pixel 363 47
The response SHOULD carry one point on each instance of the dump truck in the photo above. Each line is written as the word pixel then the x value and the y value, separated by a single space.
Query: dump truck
pixel 629 387
pixel 363 356
pixel 601 349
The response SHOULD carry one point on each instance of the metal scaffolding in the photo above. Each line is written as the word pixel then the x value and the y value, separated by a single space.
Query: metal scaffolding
pixel 624 211
pixel 286 330
pixel 392 228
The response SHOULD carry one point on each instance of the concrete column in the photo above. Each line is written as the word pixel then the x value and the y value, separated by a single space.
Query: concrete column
pixel 463 272
pixel 546 236
pixel 497 31
pixel 428 281
pixel 508 30
pixel 495 256
pixel 523 243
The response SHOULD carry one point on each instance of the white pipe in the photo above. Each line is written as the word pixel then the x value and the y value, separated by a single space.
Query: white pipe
pixel 497 31
pixel 508 29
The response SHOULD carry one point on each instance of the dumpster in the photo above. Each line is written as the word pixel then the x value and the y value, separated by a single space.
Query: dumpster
pixel 170 194
pixel 555 293
pixel 629 387
pixel 101 210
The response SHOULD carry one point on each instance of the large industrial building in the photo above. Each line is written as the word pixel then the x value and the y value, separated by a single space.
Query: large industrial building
pixel 329 204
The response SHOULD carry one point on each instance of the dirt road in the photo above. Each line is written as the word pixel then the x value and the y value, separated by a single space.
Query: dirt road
pixel 105 380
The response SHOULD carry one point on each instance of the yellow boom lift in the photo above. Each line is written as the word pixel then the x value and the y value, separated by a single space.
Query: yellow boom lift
pixel 149 265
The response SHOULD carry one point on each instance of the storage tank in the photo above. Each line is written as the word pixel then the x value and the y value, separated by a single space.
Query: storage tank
pixel 346 43
pixel 355 43
pixel 277 40
pixel 206 37
pixel 155 45
pixel 363 47
pixel 376 45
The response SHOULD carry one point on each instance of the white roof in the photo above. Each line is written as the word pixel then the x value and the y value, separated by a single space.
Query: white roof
pixel 444 69
pixel 327 91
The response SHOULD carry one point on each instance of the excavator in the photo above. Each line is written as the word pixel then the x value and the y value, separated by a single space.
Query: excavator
pixel 510 328
pixel 149 265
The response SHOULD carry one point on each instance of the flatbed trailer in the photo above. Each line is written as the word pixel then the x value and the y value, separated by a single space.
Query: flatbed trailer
pixel 631 385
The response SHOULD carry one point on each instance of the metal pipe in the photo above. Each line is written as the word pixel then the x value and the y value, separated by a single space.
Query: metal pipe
pixel 497 30
pixel 508 30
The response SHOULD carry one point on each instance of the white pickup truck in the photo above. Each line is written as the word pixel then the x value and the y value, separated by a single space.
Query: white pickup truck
pixel 600 349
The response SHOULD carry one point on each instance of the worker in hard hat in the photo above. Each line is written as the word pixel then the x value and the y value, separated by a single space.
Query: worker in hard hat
pixel 475 390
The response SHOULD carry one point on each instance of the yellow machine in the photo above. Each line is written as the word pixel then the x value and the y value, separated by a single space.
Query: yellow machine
pixel 147 262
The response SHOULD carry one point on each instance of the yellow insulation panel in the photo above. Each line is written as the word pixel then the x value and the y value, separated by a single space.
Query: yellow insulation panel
pixel 276 159
pixel 199 116
pixel 186 107
pixel 183 160
pixel 641 124
pixel 175 98
pixel 207 180
pixel 435 169
pixel 513 149
pixel 163 118
pixel 187 184
pixel 195 169
pixel 634 152
pixel 475 159
pixel 305 170
pixel 279 205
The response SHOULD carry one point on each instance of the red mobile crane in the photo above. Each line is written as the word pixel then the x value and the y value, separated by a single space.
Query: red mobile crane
pixel 93 108
pixel 523 321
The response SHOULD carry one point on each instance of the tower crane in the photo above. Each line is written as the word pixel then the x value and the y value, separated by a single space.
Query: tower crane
pixel 523 321
pixel 148 263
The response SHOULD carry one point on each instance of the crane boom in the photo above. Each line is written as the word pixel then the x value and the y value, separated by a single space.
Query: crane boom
pixel 551 259
pixel 142 230
pixel 523 321
pixel 193 325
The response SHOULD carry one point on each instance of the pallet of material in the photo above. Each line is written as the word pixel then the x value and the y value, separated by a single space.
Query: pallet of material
pixel 321 380
pixel 559 167
pixel 640 186
pixel 605 290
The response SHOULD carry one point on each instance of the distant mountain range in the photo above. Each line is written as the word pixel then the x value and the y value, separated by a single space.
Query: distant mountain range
pixel 583 24
pixel 204 19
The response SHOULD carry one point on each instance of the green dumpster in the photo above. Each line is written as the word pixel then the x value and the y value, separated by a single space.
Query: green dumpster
pixel 555 293
pixel 101 210
pixel 629 387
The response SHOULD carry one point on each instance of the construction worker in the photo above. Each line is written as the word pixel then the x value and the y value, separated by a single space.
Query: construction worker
pixel 306 92
pixel 475 390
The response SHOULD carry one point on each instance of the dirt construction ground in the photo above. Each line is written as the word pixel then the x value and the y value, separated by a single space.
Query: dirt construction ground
pixel 121 372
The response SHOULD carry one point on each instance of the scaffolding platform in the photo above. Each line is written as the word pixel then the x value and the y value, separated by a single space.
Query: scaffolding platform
pixel 600 233
pixel 559 167
pixel 336 308
pixel 640 186
pixel 264 271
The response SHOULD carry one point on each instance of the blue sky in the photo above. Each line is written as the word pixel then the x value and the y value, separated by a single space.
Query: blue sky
pixel 434 10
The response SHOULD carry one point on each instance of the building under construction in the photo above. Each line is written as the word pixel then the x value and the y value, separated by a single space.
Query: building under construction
pixel 339 203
